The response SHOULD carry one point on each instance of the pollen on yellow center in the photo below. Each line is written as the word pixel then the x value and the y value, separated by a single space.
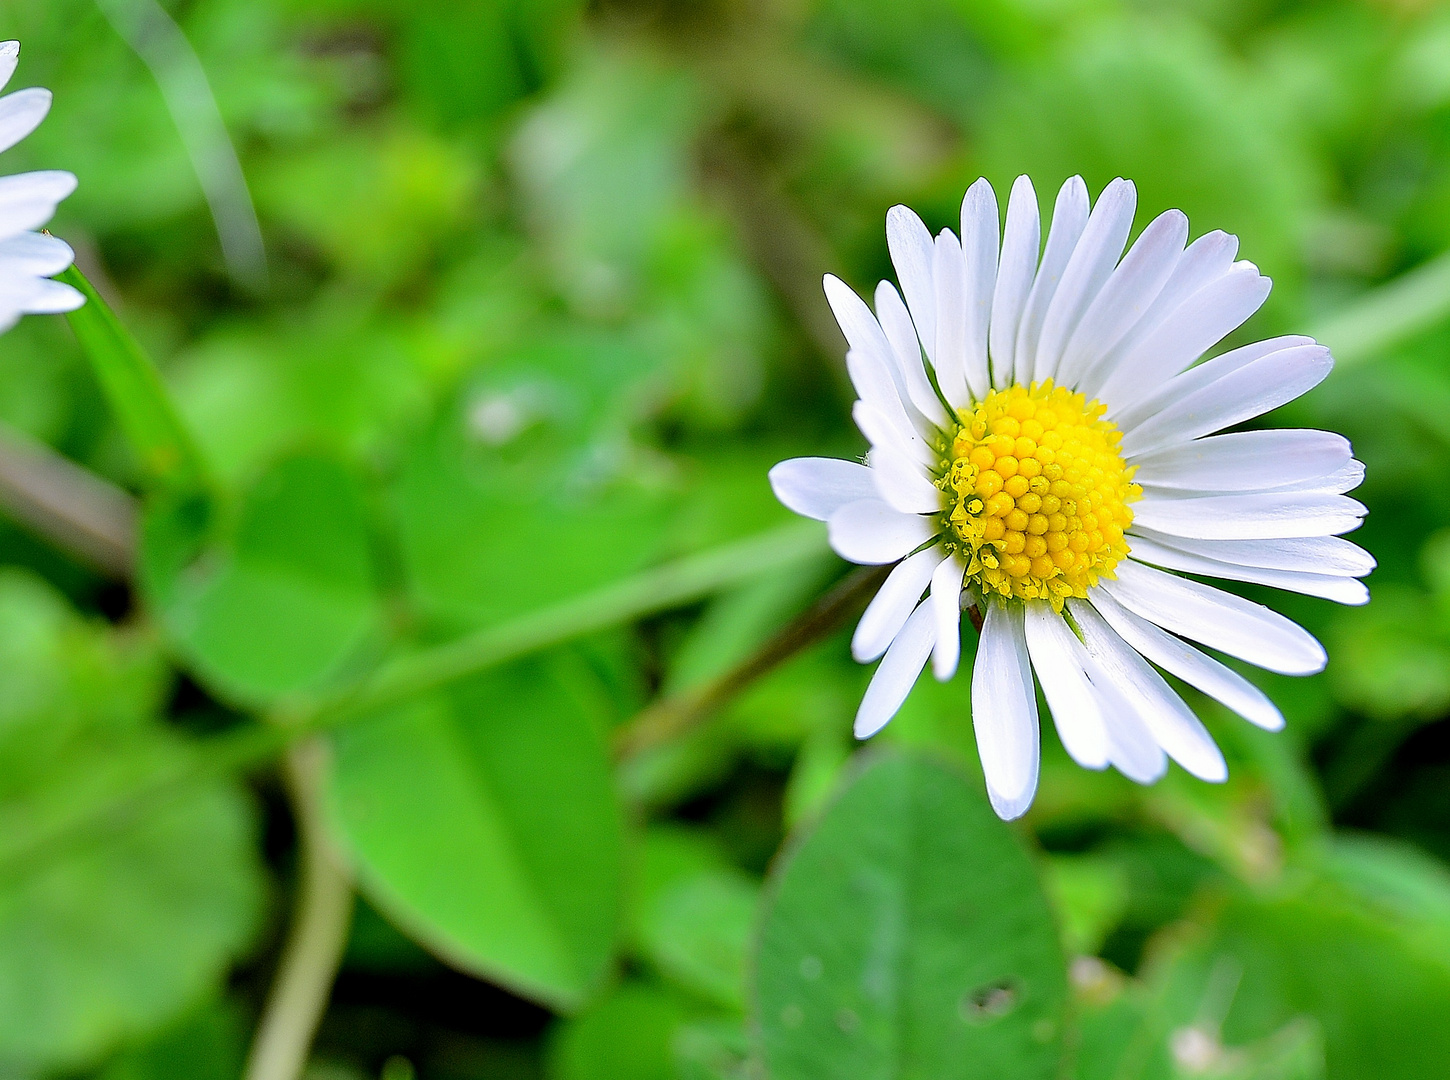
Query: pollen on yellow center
pixel 1037 493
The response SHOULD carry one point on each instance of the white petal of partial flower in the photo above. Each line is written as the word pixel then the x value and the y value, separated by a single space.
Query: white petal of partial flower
pixel 51 185
pixel 21 113
pixel 893 603
pixel 980 236
pixel 1086 272
pixel 35 253
pixel 1004 712
pixel 816 487
pixel 1309 554
pixel 913 253
pixel 1177 657
pixel 1249 391
pixel 1207 258
pixel 946 606
pixel 40 296
pixel 950 272
pixel 1061 665
pixel 871 375
pixel 1217 619
pixel 901 482
pixel 881 430
pixel 1245 461
pixel 1021 240
pixel 1127 296
pixel 897 673
pixel 1174 727
pixel 1200 322
pixel 1069 218
pixel 9 57
pixel 1265 515
pixel 1339 588
pixel 896 322
pixel 871 533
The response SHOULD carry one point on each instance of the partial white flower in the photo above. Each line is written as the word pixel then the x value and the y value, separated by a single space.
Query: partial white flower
pixel 27 202
pixel 1043 450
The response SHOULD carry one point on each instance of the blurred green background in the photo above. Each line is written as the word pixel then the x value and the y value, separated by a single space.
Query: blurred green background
pixel 540 306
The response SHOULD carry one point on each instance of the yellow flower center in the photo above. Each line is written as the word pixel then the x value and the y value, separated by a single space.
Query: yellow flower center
pixel 1037 493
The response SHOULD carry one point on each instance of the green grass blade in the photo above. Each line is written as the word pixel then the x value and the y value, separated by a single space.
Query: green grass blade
pixel 133 386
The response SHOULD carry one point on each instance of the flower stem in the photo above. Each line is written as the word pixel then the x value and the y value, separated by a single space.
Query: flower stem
pixel 320 924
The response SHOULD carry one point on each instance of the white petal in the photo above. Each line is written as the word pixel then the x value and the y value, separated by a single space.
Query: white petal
pixel 1336 587
pixel 1132 749
pixel 1345 478
pixel 1020 243
pixel 9 57
pixel 897 673
pixel 21 113
pixel 41 296
pixel 912 253
pixel 1061 665
pixel 1245 460
pixel 1196 378
pixel 1200 322
pixel 1246 392
pixel 1177 657
pixel 1307 554
pixel 902 483
pixel 946 605
pixel 896 323
pixel 34 253
pixel 980 236
pixel 949 272
pixel 1069 217
pixel 1218 619
pixel 872 378
pixel 870 532
pixel 816 487
pixel 1004 711
pixel 1174 727
pixel 1266 515
pixel 1127 296
pixel 881 430
pixel 893 603
pixel 1086 272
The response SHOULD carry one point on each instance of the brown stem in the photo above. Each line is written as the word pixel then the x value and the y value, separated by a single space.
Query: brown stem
pixel 672 716
pixel 85 516
pixel 318 935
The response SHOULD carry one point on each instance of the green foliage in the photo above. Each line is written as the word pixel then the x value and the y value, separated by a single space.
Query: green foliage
pixel 907 935
pixel 279 604
pixel 442 803
pixel 116 933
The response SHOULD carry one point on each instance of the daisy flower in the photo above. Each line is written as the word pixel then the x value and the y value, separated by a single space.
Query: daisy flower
pixel 28 201
pixel 1043 452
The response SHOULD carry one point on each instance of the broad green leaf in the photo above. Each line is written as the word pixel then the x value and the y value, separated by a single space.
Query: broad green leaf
pixel 208 1044
pixel 494 530
pixel 108 935
pixel 907 936
pixel 693 915
pixel 1377 991
pixel 628 1035
pixel 133 387
pixel 484 822
pixel 286 598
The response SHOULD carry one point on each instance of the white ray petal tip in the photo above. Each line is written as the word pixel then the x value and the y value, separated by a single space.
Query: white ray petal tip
pixel 9 49
pixel 1011 807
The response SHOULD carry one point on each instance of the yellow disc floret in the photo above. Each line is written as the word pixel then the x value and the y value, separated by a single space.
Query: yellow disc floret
pixel 1036 493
